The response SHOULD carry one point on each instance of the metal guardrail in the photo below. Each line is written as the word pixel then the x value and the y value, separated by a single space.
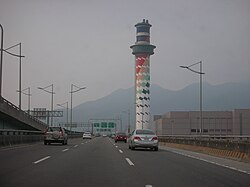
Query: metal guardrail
pixel 9 137
pixel 232 138
pixel 233 143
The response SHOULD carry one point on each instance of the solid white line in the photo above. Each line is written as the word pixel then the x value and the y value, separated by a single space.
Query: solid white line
pixel 36 162
pixel 130 162
pixel 76 146
pixel 65 150
pixel 120 151
pixel 211 162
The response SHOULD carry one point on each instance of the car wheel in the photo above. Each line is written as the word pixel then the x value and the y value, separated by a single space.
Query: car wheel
pixel 115 141
pixel 129 147
pixel 66 143
pixel 125 141
pixel 132 148
pixel 45 143
pixel 156 148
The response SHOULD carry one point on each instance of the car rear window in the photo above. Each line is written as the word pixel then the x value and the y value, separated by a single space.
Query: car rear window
pixel 51 129
pixel 121 134
pixel 144 132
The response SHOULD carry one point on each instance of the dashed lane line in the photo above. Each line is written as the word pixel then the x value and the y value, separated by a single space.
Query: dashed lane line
pixel 120 151
pixel 38 161
pixel 65 150
pixel 76 146
pixel 129 162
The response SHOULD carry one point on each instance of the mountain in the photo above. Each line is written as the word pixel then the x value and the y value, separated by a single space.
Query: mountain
pixel 226 96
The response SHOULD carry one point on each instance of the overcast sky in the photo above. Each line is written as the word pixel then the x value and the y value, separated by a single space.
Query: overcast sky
pixel 87 43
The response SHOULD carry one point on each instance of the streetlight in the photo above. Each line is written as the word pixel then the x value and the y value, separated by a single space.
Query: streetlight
pixel 128 112
pixel 20 67
pixel 71 92
pixel 51 92
pixel 1 61
pixel 29 95
pixel 200 73
pixel 61 105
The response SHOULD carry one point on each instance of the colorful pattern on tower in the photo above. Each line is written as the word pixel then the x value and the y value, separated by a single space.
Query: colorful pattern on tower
pixel 142 51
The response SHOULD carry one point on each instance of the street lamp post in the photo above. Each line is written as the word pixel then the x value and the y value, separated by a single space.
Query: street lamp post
pixel 61 105
pixel 1 61
pixel 128 112
pixel 71 98
pixel 20 56
pixel 52 93
pixel 200 73
pixel 29 95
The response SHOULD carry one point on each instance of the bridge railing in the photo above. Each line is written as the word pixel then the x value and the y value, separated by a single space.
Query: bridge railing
pixel 20 111
pixel 236 138
pixel 233 143
pixel 9 137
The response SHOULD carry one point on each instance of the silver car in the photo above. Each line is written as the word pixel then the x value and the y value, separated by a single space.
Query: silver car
pixel 143 138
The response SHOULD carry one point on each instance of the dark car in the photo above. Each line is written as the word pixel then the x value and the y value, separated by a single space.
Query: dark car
pixel 121 136
pixel 55 135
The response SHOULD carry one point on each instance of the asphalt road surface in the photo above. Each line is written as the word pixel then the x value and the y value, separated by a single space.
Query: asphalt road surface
pixel 100 162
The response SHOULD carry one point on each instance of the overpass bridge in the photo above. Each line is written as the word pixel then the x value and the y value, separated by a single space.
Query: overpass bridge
pixel 11 117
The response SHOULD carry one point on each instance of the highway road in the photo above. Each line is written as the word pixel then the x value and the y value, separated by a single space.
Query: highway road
pixel 101 162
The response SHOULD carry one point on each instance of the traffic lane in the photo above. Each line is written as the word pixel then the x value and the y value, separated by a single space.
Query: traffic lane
pixel 167 168
pixel 18 157
pixel 94 163
pixel 16 167
pixel 164 167
pixel 223 162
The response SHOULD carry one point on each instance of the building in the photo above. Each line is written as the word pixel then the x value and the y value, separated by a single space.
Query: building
pixel 142 51
pixel 236 122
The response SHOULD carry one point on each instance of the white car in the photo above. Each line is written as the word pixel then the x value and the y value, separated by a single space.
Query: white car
pixel 86 135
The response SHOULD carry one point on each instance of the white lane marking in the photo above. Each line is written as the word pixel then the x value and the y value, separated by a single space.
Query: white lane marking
pixel 82 143
pixel 76 146
pixel 116 146
pixel 211 162
pixel 148 185
pixel 129 162
pixel 65 150
pixel 120 151
pixel 38 161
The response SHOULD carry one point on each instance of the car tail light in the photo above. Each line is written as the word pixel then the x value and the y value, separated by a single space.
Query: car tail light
pixel 154 138
pixel 61 131
pixel 137 138
pixel 46 130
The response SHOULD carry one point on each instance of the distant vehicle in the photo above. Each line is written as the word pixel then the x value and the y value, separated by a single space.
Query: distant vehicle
pixel 97 135
pixel 86 135
pixel 121 136
pixel 55 135
pixel 113 136
pixel 104 135
pixel 144 139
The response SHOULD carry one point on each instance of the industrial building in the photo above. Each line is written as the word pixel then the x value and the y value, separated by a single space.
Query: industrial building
pixel 236 122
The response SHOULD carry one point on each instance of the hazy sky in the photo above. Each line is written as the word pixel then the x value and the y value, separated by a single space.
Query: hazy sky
pixel 87 43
